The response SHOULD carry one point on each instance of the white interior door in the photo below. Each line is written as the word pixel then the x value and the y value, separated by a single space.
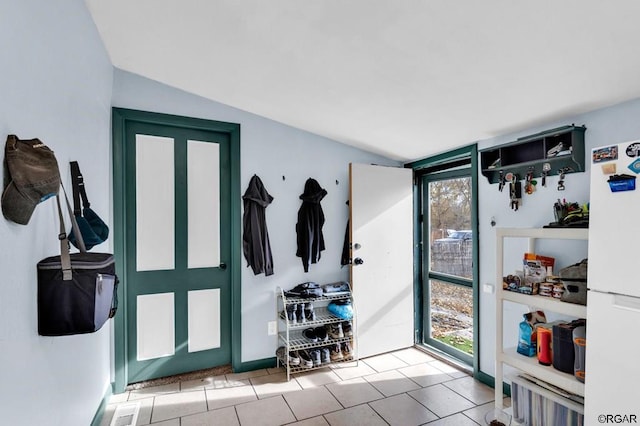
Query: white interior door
pixel 381 202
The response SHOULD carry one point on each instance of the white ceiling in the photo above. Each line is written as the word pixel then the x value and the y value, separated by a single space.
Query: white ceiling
pixel 402 78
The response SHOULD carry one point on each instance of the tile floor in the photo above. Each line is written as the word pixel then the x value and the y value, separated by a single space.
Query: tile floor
pixel 406 387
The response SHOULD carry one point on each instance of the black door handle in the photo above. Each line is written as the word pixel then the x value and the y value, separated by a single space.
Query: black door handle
pixel 358 261
pixel 222 266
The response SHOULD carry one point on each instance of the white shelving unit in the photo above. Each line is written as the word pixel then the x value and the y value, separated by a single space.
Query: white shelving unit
pixel 510 356
pixel 290 333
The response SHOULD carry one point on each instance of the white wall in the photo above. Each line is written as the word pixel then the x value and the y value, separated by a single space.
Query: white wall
pixel 611 125
pixel 271 150
pixel 55 81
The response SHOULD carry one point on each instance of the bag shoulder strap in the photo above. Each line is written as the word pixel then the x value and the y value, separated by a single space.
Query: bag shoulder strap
pixel 65 258
pixel 77 182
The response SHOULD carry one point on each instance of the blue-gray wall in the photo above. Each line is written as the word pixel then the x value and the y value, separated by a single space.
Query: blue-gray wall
pixel 271 150
pixel 615 124
pixel 55 85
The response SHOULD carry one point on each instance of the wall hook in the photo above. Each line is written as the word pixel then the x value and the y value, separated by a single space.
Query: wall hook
pixel 283 178
pixel 337 182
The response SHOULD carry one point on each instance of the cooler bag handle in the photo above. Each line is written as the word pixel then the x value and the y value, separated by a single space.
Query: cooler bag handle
pixel 65 258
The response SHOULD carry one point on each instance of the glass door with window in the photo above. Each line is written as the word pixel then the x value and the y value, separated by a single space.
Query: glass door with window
pixel 448 234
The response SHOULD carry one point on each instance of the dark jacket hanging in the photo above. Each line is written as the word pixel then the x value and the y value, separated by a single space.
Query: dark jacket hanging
pixel 310 222
pixel 345 259
pixel 255 239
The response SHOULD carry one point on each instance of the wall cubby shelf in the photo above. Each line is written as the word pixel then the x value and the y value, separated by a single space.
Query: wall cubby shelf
pixel 562 148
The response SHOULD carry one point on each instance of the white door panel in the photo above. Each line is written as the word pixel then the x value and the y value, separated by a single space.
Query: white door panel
pixel 382 235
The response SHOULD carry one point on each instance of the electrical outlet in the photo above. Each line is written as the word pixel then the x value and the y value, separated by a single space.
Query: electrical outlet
pixel 272 328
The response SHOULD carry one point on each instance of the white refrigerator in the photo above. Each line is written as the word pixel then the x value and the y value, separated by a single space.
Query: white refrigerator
pixel 612 366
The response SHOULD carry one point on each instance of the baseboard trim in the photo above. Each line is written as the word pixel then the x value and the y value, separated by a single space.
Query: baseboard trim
pixel 491 381
pixel 97 418
pixel 255 365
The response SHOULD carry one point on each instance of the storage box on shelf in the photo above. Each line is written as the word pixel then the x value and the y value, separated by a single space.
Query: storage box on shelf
pixel 290 333
pixel 510 356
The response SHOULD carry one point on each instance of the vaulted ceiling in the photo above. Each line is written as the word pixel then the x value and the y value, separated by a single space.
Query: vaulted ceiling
pixel 403 78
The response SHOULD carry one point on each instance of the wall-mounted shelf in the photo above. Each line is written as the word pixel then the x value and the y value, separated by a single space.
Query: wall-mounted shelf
pixel 562 148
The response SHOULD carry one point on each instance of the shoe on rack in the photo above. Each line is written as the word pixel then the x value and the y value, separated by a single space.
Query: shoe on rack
pixel 321 334
pixel 335 331
pixel 305 359
pixel 325 355
pixel 310 335
pixel 347 353
pixel 309 313
pixel 335 352
pixel 315 356
pixel 347 329
pixel 291 313
pixel 293 359
pixel 300 313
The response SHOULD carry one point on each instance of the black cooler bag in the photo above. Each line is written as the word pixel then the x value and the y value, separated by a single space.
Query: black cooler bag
pixel 76 292
pixel 79 305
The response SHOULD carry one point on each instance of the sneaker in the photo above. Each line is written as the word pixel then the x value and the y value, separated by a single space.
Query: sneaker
pixel 325 355
pixel 315 356
pixel 346 329
pixel 309 313
pixel 335 331
pixel 310 335
pixel 300 313
pixel 336 353
pixel 321 334
pixel 347 353
pixel 292 359
pixel 305 359
pixel 291 313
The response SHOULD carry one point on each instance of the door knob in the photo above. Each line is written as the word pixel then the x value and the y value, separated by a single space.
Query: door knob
pixel 358 261
pixel 222 266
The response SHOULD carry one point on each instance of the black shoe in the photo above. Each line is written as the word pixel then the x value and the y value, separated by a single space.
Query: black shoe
pixel 293 360
pixel 309 313
pixel 305 359
pixel 321 334
pixel 300 313
pixel 310 334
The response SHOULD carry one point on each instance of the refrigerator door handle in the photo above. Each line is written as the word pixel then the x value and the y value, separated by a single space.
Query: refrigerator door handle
pixel 626 302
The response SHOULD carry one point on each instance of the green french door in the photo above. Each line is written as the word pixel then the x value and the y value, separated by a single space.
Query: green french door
pixel 448 283
pixel 446 276
pixel 176 239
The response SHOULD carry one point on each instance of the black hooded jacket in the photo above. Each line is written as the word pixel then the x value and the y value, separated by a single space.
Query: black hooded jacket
pixel 310 222
pixel 255 239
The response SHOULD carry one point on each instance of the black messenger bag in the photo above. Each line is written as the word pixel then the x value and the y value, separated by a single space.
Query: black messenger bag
pixel 76 292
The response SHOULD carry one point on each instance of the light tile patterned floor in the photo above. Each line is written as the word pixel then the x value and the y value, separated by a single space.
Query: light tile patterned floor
pixel 406 387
